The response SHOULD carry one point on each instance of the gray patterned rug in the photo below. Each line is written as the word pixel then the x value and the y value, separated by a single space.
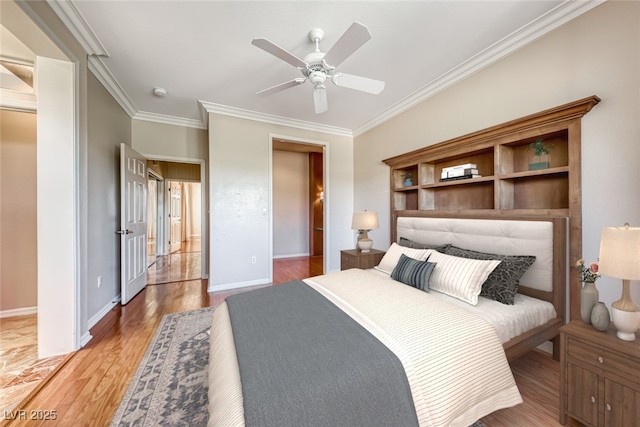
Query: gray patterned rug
pixel 170 386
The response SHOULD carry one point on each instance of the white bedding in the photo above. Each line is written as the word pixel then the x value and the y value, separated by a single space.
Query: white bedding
pixel 455 363
pixel 509 321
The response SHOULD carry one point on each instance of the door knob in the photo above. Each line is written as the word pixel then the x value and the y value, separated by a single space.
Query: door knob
pixel 124 232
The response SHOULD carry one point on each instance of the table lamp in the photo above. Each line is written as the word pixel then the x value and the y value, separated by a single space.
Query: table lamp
pixel 620 258
pixel 363 222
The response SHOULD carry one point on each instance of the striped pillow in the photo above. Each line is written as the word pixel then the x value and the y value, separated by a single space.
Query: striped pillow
pixel 391 258
pixel 460 278
pixel 413 272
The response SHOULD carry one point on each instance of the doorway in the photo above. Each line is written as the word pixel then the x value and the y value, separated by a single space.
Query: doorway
pixel 179 222
pixel 298 234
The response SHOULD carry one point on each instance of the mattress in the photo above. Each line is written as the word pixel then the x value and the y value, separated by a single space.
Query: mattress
pixel 509 321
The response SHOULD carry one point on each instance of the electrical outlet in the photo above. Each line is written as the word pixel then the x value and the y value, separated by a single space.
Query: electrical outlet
pixel 99 281
pixel 253 260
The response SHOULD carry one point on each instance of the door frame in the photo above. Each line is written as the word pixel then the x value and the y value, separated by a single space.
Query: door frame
pixel 325 186
pixel 160 202
pixel 204 240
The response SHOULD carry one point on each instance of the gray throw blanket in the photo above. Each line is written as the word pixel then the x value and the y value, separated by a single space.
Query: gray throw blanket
pixel 304 362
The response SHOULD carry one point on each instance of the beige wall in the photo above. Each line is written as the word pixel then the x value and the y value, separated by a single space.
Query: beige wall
pixel 161 141
pixel 18 209
pixel 239 151
pixel 290 203
pixel 598 53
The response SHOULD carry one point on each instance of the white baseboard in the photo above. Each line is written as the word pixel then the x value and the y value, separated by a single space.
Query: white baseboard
pixel 103 312
pixel 25 311
pixel 86 337
pixel 238 285
pixel 290 256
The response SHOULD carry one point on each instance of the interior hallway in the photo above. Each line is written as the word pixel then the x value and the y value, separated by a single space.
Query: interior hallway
pixel 184 262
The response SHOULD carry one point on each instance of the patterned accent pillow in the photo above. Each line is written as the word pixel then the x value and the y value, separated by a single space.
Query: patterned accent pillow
pixel 460 277
pixel 392 256
pixel 502 284
pixel 413 272
pixel 416 245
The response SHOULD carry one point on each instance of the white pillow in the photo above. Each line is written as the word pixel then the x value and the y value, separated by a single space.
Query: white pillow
pixel 460 278
pixel 391 258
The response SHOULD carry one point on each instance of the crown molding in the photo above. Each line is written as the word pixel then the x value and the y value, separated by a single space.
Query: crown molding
pixel 75 22
pixel 225 110
pixel 16 101
pixel 169 120
pixel 556 17
pixel 97 67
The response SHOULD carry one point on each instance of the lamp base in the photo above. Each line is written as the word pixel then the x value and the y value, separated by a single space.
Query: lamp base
pixel 626 314
pixel 365 245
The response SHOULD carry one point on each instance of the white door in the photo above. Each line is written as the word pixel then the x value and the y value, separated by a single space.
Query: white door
pixel 133 223
pixel 175 214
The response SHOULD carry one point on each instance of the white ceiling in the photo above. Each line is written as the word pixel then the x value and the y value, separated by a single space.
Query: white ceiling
pixel 202 51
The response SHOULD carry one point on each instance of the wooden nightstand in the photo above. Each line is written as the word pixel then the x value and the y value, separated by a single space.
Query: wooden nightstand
pixel 599 377
pixel 352 258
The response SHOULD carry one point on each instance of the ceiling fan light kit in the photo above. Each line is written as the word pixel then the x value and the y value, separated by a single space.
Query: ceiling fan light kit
pixel 317 66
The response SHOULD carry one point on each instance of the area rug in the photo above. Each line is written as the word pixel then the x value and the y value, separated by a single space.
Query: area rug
pixel 170 386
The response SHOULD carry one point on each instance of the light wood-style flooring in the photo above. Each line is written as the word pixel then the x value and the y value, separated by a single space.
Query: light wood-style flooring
pixel 87 390
pixel 184 262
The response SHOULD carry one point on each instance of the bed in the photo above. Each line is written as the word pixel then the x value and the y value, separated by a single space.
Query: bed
pixel 454 356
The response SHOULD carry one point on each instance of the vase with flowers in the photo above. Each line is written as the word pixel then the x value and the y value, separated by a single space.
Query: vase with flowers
pixel 589 294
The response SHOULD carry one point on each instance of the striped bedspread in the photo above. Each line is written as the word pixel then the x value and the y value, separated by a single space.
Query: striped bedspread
pixel 455 364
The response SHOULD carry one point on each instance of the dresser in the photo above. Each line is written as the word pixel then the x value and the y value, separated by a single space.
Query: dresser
pixel 352 258
pixel 599 377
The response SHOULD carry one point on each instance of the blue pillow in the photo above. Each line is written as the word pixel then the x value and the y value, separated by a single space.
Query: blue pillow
pixel 413 272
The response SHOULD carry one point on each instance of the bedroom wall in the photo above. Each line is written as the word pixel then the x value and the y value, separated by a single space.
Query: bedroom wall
pixel 597 53
pixel 109 125
pixel 290 204
pixel 18 209
pixel 240 192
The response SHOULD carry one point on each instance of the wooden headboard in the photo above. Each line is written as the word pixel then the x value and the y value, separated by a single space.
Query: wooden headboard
pixel 550 268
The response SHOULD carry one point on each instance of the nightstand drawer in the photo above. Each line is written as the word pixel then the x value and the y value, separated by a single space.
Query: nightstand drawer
pixel 601 358
pixel 348 261
pixel 351 258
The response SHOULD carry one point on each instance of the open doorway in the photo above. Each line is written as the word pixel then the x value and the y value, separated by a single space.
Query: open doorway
pixel 298 209
pixel 177 246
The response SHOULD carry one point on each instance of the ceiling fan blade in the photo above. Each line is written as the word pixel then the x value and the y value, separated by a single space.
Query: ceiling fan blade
pixel 282 86
pixel 352 39
pixel 279 52
pixel 320 99
pixel 363 84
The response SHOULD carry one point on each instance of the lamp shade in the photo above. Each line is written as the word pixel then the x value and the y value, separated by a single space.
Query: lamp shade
pixel 365 221
pixel 620 252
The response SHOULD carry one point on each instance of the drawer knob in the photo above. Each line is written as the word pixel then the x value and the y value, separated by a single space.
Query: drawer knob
pixel 608 407
pixel 593 399
pixel 600 359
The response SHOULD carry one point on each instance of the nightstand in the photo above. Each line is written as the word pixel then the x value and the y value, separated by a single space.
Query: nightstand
pixel 599 377
pixel 352 258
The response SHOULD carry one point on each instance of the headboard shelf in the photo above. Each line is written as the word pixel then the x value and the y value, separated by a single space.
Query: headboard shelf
pixel 510 183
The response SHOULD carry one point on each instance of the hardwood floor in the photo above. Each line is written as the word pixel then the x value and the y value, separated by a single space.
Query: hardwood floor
pixel 89 387
pixel 184 262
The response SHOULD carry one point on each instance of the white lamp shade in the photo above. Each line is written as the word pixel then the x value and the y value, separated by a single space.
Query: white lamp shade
pixel 620 252
pixel 365 221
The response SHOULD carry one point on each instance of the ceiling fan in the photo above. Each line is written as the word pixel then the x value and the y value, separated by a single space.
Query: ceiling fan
pixel 319 66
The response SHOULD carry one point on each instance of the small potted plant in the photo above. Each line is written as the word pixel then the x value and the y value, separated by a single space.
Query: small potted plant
pixel 408 181
pixel 540 159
